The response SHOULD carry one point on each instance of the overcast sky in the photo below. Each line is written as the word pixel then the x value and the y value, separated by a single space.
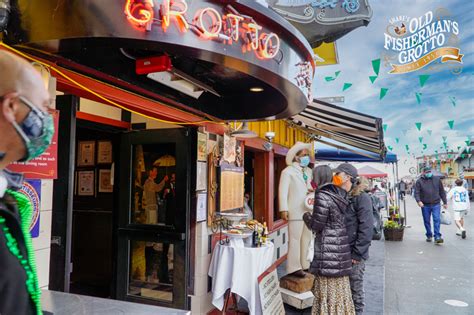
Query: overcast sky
pixel 399 109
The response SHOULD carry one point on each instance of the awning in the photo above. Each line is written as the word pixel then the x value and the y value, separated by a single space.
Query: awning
pixel 330 154
pixel 342 125
pixel 370 172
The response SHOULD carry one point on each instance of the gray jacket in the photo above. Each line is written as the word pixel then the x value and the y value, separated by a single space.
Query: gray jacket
pixel 430 191
pixel 360 226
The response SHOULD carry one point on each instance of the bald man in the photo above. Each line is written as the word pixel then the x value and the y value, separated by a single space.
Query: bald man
pixel 26 130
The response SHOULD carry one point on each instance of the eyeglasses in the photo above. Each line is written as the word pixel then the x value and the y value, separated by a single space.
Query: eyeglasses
pixel 32 125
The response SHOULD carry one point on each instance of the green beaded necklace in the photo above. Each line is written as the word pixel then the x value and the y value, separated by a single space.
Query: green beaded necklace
pixel 28 263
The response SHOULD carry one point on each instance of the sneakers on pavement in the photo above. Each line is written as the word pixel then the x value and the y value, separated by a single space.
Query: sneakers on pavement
pixel 458 233
pixel 463 234
pixel 429 239
pixel 439 241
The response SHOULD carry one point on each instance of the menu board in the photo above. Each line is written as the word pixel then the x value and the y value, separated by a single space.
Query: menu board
pixel 231 187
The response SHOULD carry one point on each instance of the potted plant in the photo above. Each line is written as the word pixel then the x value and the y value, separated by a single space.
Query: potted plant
pixel 392 210
pixel 398 218
pixel 393 231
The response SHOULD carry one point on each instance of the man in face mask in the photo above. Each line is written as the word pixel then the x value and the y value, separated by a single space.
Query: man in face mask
pixel 429 192
pixel 26 132
pixel 295 184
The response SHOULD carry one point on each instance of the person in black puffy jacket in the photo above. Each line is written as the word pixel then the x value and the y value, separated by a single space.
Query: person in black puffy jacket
pixel 332 263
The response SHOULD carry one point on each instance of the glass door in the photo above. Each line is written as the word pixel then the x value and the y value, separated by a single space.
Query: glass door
pixel 153 223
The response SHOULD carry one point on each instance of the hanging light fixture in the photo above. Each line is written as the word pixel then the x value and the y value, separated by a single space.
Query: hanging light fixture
pixel 244 132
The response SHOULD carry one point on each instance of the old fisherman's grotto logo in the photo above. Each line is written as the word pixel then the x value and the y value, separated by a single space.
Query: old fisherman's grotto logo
pixel 419 41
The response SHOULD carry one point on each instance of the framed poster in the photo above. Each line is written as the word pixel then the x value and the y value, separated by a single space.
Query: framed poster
pixel 201 207
pixel 231 187
pixel 85 183
pixel 104 152
pixel 201 176
pixel 202 147
pixel 230 144
pixel 86 153
pixel 105 181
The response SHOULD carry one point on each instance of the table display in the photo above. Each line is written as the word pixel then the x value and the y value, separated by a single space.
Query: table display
pixel 237 267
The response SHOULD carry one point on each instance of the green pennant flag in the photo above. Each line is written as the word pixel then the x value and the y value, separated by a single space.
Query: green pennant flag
pixel 425 146
pixel 372 78
pixel 423 79
pixel 444 138
pixel 383 92
pixel 420 139
pixel 453 100
pixel 397 140
pixel 468 142
pixel 376 66
pixel 451 124
pixel 336 74
pixel 462 156
pixel 407 147
pixel 430 131
pixel 418 126
pixel 384 126
pixel 346 86
pixel 459 147
pixel 449 156
pixel 418 97
pixel 390 148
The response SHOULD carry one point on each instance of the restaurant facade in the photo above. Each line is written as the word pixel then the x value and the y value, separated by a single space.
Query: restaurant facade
pixel 148 94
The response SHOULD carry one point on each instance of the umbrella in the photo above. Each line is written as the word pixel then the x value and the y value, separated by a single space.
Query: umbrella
pixel 165 161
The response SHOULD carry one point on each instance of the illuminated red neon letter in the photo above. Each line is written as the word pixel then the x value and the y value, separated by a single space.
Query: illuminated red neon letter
pixel 254 28
pixel 176 9
pixel 139 13
pixel 214 29
pixel 234 22
pixel 269 49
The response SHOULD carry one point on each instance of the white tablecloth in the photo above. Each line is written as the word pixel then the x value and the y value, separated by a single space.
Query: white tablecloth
pixel 238 268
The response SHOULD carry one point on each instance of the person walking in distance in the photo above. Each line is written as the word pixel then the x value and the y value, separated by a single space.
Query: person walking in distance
pixel 360 228
pixel 429 192
pixel 461 205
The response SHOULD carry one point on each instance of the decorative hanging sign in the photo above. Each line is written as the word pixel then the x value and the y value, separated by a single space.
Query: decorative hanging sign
pixel 419 41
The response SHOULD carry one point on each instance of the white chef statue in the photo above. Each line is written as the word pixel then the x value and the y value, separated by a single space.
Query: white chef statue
pixel 295 184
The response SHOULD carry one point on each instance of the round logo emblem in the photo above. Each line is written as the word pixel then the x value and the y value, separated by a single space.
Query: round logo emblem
pixel 30 192
pixel 309 201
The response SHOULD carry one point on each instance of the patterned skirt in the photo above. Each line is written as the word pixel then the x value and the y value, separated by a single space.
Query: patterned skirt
pixel 332 296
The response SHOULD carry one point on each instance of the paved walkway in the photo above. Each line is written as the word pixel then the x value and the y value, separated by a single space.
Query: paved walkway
pixel 420 276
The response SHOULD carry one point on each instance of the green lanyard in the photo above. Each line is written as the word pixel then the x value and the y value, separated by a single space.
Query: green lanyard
pixel 28 263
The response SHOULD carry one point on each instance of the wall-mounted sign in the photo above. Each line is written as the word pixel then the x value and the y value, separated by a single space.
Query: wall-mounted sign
pixel 228 27
pixel 32 190
pixel 419 41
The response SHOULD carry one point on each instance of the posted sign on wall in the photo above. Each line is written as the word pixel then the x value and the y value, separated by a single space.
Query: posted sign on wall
pixel 46 165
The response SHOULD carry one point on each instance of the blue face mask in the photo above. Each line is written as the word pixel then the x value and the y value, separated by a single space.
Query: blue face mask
pixel 304 161
pixel 429 175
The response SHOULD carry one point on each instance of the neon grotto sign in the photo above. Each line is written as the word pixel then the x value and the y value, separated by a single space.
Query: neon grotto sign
pixel 230 28
pixel 420 41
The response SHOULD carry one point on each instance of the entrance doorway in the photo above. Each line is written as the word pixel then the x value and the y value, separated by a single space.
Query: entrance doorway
pixel 94 209
pixel 154 216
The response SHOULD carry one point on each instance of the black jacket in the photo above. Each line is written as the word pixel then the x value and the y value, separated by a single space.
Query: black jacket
pixel 14 298
pixel 332 254
pixel 430 191
pixel 359 223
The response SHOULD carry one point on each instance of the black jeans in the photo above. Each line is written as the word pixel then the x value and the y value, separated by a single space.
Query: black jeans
pixel 357 286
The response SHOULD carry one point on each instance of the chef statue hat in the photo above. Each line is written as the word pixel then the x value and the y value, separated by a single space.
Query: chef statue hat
pixel 290 156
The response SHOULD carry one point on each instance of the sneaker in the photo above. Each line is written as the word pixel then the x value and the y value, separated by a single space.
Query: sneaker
pixel 458 233
pixel 428 239
pixel 463 234
pixel 439 241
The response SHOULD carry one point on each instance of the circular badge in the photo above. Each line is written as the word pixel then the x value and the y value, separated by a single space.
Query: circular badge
pixel 309 201
pixel 30 192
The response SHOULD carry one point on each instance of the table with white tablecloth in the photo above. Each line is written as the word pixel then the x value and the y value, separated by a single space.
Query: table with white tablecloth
pixel 236 267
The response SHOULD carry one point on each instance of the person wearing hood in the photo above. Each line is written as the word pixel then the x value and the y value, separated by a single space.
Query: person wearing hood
pixel 332 262
pixel 27 130
pixel 295 184
pixel 429 192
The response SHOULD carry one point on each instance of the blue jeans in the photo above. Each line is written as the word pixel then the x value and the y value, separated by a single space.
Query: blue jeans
pixel 427 211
